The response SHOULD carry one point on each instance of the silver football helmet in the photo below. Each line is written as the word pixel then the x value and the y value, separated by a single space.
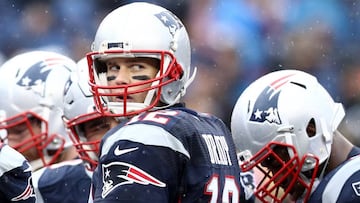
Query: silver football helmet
pixel 32 85
pixel 141 30
pixel 79 108
pixel 289 111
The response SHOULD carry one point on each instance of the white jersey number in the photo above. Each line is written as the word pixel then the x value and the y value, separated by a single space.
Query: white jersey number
pixel 230 190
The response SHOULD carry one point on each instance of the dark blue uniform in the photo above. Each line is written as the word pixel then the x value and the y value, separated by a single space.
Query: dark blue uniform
pixel 68 181
pixel 15 177
pixel 173 155
pixel 342 184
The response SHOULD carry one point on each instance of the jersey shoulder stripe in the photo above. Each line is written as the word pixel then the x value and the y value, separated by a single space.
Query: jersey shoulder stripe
pixel 337 181
pixel 9 159
pixel 147 135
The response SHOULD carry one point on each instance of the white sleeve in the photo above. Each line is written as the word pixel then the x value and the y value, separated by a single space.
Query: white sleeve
pixel 10 159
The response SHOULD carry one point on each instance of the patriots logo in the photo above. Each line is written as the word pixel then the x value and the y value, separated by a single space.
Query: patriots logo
pixel 116 174
pixel 26 194
pixel 248 183
pixel 34 78
pixel 29 191
pixel 170 21
pixel 266 105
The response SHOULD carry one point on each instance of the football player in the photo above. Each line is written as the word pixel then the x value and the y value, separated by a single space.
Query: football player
pixel 70 181
pixel 15 177
pixel 32 85
pixel 140 69
pixel 285 126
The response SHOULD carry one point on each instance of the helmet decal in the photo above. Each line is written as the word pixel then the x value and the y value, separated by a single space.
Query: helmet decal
pixel 34 78
pixel 170 21
pixel 266 105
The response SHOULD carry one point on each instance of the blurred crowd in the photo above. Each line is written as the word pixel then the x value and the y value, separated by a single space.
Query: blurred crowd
pixel 234 42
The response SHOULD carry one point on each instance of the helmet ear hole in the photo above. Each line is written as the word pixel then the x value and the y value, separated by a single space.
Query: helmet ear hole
pixel 311 128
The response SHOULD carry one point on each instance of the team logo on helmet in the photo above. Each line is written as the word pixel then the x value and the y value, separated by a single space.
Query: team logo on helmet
pixel 266 105
pixel 170 21
pixel 34 78
pixel 116 174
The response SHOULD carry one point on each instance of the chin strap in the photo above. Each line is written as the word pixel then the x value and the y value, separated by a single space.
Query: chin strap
pixel 102 80
pixel 150 95
pixel 186 85
pixel 321 175
pixel 190 80
pixel 339 115
pixel 181 93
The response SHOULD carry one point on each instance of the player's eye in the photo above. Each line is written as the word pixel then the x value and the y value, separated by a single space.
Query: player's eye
pixel 113 68
pixel 136 67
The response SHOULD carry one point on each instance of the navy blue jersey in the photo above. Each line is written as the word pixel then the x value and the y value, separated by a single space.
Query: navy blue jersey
pixel 15 177
pixel 173 155
pixel 340 185
pixel 67 181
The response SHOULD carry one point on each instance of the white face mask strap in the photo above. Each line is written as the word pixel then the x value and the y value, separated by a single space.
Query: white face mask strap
pixel 323 170
pixel 102 80
pixel 328 136
pixel 186 85
pixel 338 116
pixel 191 79
pixel 150 95
pixel 45 112
pixel 328 139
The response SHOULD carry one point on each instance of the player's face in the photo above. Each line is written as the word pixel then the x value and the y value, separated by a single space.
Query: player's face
pixel 127 71
pixel 18 134
pixel 95 129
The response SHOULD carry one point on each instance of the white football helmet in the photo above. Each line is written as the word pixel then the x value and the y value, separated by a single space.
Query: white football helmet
pixel 141 30
pixel 32 85
pixel 79 108
pixel 291 110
